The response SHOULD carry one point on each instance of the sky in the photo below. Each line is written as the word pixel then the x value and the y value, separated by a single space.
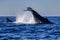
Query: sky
pixel 43 7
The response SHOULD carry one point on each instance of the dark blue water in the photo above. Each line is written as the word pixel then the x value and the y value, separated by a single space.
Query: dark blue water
pixel 12 31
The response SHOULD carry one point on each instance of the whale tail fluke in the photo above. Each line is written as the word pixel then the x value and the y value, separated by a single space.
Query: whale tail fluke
pixel 38 18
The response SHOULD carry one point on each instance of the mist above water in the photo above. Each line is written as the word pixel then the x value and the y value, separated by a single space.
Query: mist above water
pixel 26 18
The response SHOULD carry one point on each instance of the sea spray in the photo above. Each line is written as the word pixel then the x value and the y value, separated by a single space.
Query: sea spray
pixel 26 18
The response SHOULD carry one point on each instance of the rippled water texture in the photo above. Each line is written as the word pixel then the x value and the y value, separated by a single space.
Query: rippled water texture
pixel 12 31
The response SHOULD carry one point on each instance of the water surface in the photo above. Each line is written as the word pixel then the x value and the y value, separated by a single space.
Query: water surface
pixel 12 31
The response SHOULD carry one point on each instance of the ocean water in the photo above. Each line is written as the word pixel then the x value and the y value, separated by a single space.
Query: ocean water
pixel 12 31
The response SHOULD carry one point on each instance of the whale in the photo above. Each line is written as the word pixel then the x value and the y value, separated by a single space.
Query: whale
pixel 8 20
pixel 37 17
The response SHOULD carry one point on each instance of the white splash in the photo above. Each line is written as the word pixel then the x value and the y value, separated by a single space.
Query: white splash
pixel 27 18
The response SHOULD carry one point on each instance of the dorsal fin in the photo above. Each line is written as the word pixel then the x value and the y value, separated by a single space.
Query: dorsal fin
pixel 8 20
